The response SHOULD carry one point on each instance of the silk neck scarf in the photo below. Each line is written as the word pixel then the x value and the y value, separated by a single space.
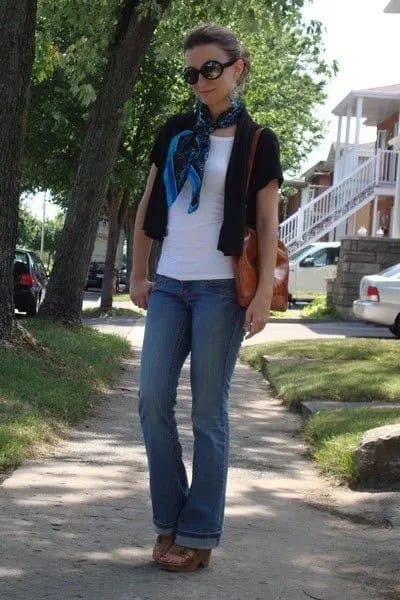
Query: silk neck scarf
pixel 188 152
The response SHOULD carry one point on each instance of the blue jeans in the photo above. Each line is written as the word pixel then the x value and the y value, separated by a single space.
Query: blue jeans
pixel 204 318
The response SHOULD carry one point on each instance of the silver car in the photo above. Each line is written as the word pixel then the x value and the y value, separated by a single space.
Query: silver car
pixel 379 300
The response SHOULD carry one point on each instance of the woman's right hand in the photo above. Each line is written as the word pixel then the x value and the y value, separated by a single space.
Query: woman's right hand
pixel 140 291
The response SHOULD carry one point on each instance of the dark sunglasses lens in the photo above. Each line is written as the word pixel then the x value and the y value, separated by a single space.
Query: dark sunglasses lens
pixel 191 75
pixel 212 70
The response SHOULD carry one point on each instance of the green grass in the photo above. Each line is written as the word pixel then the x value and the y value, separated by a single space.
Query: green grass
pixel 343 370
pixel 122 297
pixel 320 309
pixel 44 389
pixel 289 314
pixel 335 435
pixel 317 309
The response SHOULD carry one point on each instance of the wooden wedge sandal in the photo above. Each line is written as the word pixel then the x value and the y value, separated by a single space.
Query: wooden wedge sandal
pixel 162 545
pixel 181 559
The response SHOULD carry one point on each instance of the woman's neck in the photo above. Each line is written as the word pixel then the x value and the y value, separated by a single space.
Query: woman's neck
pixel 218 109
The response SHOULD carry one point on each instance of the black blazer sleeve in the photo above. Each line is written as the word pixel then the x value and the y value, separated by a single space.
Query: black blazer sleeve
pixel 267 164
pixel 157 153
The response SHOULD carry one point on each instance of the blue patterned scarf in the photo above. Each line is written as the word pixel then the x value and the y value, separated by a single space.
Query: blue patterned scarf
pixel 188 152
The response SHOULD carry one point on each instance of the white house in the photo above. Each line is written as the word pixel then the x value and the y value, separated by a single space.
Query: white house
pixel 362 190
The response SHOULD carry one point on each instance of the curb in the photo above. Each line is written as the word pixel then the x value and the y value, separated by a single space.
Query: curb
pixel 314 320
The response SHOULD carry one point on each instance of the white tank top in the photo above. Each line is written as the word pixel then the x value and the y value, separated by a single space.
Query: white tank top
pixel 189 250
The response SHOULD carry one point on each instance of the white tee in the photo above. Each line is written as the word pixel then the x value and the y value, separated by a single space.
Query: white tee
pixel 189 251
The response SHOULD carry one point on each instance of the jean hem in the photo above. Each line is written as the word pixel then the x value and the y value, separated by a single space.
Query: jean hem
pixel 194 542
pixel 163 530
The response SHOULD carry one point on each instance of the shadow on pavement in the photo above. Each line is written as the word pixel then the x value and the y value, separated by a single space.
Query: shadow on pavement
pixel 77 524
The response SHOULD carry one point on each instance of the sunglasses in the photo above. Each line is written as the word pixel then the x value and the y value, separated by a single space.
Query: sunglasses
pixel 212 69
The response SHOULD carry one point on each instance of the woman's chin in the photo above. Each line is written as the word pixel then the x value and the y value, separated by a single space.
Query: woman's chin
pixel 212 100
pixel 208 98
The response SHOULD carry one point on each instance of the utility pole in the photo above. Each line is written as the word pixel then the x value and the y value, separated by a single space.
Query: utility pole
pixel 43 226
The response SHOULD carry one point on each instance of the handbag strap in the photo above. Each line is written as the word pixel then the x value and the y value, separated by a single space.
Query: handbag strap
pixel 253 149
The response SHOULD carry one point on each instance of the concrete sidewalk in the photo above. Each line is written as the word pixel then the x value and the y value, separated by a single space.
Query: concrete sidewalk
pixel 77 524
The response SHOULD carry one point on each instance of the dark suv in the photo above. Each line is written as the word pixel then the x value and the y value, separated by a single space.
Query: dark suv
pixel 30 281
pixel 96 275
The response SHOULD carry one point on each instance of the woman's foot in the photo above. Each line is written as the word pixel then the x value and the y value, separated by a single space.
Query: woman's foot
pixel 180 558
pixel 162 545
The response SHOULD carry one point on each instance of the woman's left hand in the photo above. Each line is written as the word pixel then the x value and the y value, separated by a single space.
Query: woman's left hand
pixel 257 316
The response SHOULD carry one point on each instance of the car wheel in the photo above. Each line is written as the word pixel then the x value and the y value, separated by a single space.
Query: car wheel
pixel 34 307
pixel 395 328
pixel 291 301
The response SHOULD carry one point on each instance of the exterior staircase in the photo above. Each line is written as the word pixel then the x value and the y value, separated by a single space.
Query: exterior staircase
pixel 326 211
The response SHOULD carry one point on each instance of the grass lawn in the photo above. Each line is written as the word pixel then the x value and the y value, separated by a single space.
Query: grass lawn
pixel 122 298
pixel 113 312
pixel 335 435
pixel 46 388
pixel 343 370
pixel 295 313
pixel 317 309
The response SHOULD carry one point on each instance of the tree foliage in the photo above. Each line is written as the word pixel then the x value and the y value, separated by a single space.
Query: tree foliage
pixel 29 233
pixel 287 82
pixel 75 39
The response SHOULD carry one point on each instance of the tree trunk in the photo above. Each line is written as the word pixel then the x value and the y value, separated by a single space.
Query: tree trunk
pixel 117 205
pixel 129 228
pixel 64 295
pixel 17 48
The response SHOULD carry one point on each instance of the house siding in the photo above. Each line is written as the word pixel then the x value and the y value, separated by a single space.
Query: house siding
pixel 389 125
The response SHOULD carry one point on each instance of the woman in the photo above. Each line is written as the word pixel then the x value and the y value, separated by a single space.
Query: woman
pixel 195 203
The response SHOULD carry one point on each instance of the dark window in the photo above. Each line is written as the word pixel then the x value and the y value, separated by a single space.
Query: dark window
pixel 320 258
pixel 21 257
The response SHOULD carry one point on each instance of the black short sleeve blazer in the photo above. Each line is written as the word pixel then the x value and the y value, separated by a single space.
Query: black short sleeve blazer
pixel 239 211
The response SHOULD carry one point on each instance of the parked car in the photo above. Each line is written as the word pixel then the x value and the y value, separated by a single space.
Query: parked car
pixel 309 267
pixel 96 275
pixel 30 281
pixel 379 300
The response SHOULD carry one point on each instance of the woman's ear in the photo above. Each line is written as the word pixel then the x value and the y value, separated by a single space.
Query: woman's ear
pixel 239 70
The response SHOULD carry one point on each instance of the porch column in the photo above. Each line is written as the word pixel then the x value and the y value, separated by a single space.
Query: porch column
pixel 374 216
pixel 348 123
pixel 395 216
pixel 398 124
pixel 358 119
pixel 336 174
pixel 345 156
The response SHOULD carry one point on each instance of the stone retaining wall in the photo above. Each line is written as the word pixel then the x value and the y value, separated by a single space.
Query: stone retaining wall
pixel 359 256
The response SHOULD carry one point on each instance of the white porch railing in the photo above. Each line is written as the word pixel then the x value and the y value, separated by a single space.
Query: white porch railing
pixel 338 202
pixel 350 159
pixel 386 171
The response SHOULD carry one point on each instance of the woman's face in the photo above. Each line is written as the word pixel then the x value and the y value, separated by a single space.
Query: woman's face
pixel 213 92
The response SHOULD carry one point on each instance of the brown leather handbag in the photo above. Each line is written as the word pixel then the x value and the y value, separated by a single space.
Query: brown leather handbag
pixel 246 265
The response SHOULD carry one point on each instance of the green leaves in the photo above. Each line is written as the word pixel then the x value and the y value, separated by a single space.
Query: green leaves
pixel 80 33
pixel 287 82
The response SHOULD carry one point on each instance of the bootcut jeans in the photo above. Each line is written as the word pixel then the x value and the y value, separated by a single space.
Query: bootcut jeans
pixel 204 318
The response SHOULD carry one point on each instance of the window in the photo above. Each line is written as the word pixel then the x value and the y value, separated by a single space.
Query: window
pixel 320 258
pixel 393 271
pixel 300 253
pixel 332 256
pixel 21 257
pixel 38 267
